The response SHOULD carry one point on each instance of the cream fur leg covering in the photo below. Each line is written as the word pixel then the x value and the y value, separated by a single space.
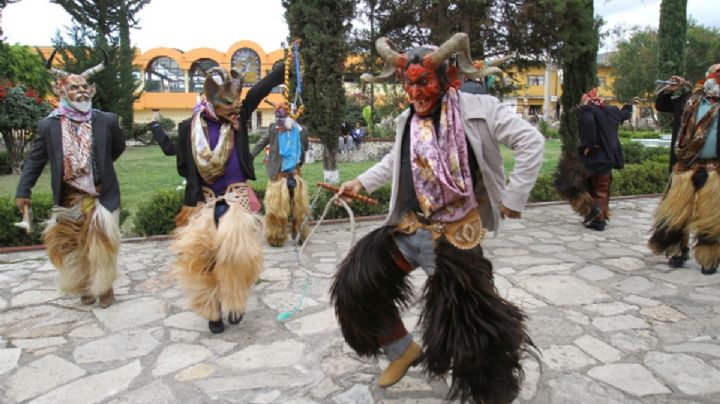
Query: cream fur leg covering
pixel 300 208
pixel 239 257
pixel 277 209
pixel 101 248
pixel 673 214
pixel 82 243
pixel 194 245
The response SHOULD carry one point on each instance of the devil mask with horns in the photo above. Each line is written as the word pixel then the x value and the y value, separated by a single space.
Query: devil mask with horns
pixel 222 90
pixel 73 90
pixel 424 70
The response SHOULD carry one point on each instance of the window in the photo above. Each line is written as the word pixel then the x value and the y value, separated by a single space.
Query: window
pixel 198 70
pixel 602 81
pixel 163 75
pixel 536 80
pixel 248 62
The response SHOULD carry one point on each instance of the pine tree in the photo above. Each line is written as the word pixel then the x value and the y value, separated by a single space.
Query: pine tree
pixel 578 59
pixel 672 31
pixel 322 26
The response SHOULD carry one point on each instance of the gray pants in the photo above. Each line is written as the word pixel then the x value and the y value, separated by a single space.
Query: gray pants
pixel 418 251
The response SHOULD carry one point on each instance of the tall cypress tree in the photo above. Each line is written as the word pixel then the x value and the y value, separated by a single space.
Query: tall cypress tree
pixel 578 59
pixel 323 26
pixel 672 31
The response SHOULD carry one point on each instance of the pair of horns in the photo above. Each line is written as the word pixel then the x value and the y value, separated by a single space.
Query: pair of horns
pixel 61 74
pixel 457 44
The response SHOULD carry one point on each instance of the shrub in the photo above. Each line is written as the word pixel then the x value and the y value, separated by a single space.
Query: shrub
pixel 11 235
pixel 638 179
pixel 651 134
pixel 167 124
pixel 5 165
pixel 544 190
pixel 157 216
pixel 254 137
pixel 636 153
pixel 141 133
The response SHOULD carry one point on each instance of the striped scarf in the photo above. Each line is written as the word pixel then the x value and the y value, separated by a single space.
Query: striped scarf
pixel 77 154
pixel 692 133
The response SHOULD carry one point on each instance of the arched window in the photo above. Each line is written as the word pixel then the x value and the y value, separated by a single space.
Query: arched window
pixel 163 75
pixel 198 70
pixel 247 61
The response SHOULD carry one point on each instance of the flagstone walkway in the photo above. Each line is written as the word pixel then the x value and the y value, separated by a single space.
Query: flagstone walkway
pixel 613 322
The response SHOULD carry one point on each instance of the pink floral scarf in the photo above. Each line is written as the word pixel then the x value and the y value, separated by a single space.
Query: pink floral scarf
pixel 441 172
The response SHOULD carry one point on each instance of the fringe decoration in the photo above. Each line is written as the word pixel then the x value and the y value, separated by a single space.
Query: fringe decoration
pixel 369 290
pixel 277 209
pixel 706 217
pixel 470 330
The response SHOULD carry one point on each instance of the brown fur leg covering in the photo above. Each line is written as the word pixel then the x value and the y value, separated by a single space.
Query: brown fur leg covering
pixel 300 208
pixel 707 254
pixel 63 237
pixel 277 209
pixel 470 330
pixel 673 215
pixel 368 291
pixel 582 204
pixel 570 181
pixel 101 248
pixel 183 217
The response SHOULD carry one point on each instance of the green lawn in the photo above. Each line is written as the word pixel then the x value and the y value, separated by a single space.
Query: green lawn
pixel 144 170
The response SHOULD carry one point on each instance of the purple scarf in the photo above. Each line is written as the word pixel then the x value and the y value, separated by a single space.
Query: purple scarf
pixel 441 172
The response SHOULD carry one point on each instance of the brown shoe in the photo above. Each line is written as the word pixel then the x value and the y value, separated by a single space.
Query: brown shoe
pixel 397 368
pixel 107 298
pixel 87 299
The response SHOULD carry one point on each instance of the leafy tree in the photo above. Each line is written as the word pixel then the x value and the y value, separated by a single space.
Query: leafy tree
pixel 322 25
pixel 578 59
pixel 702 50
pixel 108 24
pixel 635 66
pixel 671 38
pixel 19 64
pixel 20 110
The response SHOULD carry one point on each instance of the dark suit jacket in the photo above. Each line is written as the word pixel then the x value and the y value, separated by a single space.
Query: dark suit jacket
pixel 664 102
pixel 108 145
pixel 185 161
pixel 599 133
pixel 163 140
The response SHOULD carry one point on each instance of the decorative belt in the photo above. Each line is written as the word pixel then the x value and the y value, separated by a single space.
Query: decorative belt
pixel 464 234
pixel 708 165
pixel 236 192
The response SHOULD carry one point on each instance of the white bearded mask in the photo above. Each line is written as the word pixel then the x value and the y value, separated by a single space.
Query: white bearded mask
pixel 711 87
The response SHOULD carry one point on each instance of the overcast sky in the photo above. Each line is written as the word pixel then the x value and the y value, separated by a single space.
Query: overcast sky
pixel 188 24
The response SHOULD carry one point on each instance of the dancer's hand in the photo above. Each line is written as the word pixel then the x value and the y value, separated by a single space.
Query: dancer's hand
pixel 22 202
pixel 352 187
pixel 679 82
pixel 507 213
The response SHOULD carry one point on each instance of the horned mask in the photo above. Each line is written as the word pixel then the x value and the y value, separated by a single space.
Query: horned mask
pixel 222 89
pixel 74 89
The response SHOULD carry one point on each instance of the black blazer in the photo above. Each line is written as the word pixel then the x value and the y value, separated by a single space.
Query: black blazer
pixel 108 145
pixel 664 102
pixel 599 133
pixel 185 161
pixel 163 140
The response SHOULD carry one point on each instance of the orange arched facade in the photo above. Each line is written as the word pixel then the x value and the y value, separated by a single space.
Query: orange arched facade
pixel 167 78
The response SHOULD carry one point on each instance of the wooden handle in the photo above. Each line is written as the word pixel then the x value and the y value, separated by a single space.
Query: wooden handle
pixel 361 198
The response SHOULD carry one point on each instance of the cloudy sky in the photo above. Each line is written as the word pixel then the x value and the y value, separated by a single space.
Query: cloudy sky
pixel 188 24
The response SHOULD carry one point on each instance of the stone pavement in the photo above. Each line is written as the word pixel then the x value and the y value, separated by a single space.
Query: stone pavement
pixel 614 324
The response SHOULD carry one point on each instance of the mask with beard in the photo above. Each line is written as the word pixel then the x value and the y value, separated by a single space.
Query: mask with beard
pixel 711 87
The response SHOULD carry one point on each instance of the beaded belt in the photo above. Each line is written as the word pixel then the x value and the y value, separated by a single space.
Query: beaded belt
pixel 235 193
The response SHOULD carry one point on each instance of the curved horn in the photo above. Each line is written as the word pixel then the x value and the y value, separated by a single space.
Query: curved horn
pixel 499 61
pixel 57 73
pixel 392 58
pixel 460 44
pixel 97 68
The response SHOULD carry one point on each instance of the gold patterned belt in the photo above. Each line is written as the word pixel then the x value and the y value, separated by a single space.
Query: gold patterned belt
pixel 708 165
pixel 464 234
pixel 234 193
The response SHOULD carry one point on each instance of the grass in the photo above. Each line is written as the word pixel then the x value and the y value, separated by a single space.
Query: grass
pixel 144 170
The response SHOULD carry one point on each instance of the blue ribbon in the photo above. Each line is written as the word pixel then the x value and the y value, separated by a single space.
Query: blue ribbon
pixel 298 78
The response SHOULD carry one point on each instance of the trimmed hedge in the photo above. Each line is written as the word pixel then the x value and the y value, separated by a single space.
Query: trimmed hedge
pixel 11 235
pixel 157 215
pixel 636 153
pixel 627 134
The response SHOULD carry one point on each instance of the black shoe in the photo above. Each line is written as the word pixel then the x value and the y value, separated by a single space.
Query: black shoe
pixel 216 327
pixel 708 271
pixel 678 261
pixel 235 318
pixel 594 213
pixel 598 225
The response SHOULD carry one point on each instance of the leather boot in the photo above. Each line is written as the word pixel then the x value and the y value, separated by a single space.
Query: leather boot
pixel 87 299
pixel 397 368
pixel 601 194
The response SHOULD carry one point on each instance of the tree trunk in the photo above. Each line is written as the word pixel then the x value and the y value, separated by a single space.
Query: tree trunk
pixel 127 81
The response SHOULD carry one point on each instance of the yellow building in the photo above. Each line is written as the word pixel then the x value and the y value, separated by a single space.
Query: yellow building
pixel 172 79
pixel 529 99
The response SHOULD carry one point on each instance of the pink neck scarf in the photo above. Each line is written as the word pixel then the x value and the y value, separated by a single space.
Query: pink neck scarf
pixel 441 172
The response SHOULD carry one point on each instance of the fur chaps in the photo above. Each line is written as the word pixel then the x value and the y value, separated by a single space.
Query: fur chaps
pixel 368 291
pixel 279 206
pixel 673 215
pixel 570 181
pixel 217 266
pixel 82 243
pixel 470 330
